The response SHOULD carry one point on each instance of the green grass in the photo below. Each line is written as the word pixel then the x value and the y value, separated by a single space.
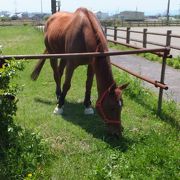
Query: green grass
pixel 82 150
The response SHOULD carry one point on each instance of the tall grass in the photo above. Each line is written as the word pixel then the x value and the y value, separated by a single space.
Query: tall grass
pixel 149 148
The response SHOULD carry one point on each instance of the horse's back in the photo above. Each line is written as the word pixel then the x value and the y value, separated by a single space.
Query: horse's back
pixel 71 33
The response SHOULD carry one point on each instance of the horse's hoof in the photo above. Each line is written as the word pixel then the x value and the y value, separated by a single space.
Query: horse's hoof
pixel 88 111
pixel 58 110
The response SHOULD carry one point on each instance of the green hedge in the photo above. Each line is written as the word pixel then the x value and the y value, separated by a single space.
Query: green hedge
pixel 7 100
pixel 22 152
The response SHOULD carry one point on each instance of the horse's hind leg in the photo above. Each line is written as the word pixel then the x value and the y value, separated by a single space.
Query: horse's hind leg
pixel 87 99
pixel 54 65
pixel 66 87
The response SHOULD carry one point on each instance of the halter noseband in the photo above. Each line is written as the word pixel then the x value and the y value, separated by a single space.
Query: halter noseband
pixel 99 106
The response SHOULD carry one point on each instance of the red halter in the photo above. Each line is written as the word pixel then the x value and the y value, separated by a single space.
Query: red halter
pixel 99 106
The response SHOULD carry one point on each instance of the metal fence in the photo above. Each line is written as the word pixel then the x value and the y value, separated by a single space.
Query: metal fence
pixel 160 84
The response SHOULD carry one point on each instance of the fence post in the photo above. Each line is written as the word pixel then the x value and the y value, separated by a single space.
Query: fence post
pixel 162 81
pixel 144 38
pixel 128 35
pixel 105 31
pixel 168 38
pixel 115 33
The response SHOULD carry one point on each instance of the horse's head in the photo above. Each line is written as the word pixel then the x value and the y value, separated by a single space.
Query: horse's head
pixel 109 107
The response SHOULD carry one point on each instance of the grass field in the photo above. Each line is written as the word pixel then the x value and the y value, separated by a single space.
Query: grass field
pixel 79 144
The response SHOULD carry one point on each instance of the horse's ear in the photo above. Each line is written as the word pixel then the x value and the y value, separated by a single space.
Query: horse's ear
pixel 124 86
pixel 111 89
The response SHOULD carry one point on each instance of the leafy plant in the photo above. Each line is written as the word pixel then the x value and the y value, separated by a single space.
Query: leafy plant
pixel 21 151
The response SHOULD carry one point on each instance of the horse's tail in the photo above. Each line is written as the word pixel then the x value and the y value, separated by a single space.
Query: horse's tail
pixel 38 67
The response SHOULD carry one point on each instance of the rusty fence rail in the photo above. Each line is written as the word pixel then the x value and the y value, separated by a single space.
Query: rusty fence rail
pixel 159 84
pixel 144 40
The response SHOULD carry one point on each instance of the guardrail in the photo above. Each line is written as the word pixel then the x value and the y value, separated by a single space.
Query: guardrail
pixel 160 84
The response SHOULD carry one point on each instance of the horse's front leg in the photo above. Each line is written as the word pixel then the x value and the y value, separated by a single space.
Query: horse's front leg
pixel 66 87
pixel 54 65
pixel 61 68
pixel 87 99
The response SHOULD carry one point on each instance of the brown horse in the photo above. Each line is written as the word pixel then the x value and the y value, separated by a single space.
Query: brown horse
pixel 81 32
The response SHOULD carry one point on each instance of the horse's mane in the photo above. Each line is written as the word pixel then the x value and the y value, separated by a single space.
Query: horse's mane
pixel 102 66
pixel 96 26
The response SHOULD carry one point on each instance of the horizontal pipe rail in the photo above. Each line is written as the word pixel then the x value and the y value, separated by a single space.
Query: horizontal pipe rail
pixel 110 28
pixel 175 36
pixel 121 30
pixel 137 32
pixel 110 35
pixel 175 47
pixel 97 54
pixel 124 44
pixel 120 37
pixel 159 34
pixel 89 54
pixel 136 47
pixel 155 83
pixel 156 44
pixel 135 40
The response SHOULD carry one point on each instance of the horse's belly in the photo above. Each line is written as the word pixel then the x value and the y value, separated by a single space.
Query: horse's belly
pixel 80 61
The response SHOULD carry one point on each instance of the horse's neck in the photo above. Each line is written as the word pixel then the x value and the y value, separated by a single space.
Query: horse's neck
pixel 103 73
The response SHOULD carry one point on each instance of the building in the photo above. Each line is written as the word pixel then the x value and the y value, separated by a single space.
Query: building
pixel 101 15
pixel 132 16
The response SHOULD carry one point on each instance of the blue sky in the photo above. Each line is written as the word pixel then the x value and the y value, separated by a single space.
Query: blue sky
pixel 110 6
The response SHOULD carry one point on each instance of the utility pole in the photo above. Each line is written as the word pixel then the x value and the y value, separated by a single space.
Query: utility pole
pixel 58 5
pixel 168 6
pixel 55 6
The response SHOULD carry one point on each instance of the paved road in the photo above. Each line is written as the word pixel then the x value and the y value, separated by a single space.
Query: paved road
pixel 152 70
pixel 153 38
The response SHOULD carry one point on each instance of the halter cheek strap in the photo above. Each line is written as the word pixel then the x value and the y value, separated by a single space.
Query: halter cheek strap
pixel 99 106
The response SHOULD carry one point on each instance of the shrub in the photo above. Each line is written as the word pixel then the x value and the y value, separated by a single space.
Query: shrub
pixel 176 63
pixel 21 151
pixel 170 62
pixel 5 19
pixel 7 99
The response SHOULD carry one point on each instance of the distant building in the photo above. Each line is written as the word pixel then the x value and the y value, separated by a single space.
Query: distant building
pixel 101 15
pixel 132 16
pixel 5 14
pixel 38 16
